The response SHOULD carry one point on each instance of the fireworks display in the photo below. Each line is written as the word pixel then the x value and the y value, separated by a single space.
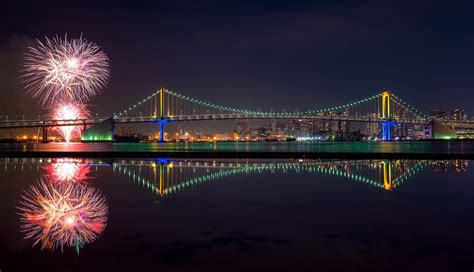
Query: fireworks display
pixel 60 69
pixel 67 170
pixel 64 73
pixel 59 215
pixel 67 112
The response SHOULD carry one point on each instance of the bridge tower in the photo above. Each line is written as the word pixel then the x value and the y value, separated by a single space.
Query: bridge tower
pixel 386 114
pixel 162 103
pixel 162 121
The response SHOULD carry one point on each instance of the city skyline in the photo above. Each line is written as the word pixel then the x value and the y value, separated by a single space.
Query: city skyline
pixel 307 64
pixel 236 135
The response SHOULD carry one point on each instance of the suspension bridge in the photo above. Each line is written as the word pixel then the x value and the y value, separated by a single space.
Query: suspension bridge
pixel 165 106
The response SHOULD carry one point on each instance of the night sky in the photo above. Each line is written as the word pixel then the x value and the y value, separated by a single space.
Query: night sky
pixel 256 54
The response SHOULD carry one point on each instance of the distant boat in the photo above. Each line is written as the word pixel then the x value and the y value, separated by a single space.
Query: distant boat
pixel 290 139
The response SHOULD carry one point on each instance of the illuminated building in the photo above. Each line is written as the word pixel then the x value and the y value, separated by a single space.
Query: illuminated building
pixel 438 114
pixel 242 127
pixel 458 115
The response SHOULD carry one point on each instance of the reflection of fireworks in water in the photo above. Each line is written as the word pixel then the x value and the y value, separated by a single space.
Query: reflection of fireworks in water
pixel 67 170
pixel 59 69
pixel 69 111
pixel 59 216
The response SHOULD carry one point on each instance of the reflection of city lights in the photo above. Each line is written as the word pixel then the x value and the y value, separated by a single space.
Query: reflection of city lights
pixel 62 215
pixel 67 170
pixel 459 165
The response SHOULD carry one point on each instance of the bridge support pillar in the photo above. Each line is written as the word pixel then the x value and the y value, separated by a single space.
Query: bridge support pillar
pixel 162 124
pixel 387 128
pixel 44 133
pixel 162 131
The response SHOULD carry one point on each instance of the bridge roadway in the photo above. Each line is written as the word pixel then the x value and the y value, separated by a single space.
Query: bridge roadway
pixel 10 124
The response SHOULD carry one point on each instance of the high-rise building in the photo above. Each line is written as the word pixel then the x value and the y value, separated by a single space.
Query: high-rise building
pixel 458 115
pixel 438 114
pixel 242 127
pixel 372 129
pixel 263 132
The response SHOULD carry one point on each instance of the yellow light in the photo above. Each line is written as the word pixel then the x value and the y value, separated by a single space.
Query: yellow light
pixel 25 137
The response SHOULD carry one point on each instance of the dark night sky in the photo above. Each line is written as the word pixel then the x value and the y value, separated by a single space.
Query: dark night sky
pixel 257 54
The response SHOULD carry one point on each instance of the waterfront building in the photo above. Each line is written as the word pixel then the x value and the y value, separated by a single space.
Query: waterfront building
pixel 242 127
pixel 458 115
pixel 438 114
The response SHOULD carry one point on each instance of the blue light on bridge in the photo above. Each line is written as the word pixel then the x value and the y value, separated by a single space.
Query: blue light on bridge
pixel 387 130
pixel 162 124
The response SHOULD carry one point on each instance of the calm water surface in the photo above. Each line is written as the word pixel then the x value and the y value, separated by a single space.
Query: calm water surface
pixel 236 215
pixel 456 147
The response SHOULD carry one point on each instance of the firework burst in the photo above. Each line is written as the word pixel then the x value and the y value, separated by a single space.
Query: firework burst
pixel 67 170
pixel 60 69
pixel 66 113
pixel 57 216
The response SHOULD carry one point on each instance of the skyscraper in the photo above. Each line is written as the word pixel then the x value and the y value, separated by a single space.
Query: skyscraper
pixel 438 114
pixel 458 115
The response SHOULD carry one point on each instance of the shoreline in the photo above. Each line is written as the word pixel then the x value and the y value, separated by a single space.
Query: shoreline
pixel 237 155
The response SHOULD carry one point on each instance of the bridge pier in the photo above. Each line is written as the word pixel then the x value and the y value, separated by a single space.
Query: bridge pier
pixel 162 124
pixel 387 128
pixel 44 133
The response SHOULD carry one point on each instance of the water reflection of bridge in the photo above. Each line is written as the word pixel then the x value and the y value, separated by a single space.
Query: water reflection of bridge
pixel 166 177
pixel 65 210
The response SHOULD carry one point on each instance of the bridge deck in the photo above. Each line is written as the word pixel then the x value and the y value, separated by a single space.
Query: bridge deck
pixel 8 124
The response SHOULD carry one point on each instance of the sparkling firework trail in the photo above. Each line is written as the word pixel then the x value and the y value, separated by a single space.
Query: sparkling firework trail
pixel 67 170
pixel 67 112
pixel 61 69
pixel 57 215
